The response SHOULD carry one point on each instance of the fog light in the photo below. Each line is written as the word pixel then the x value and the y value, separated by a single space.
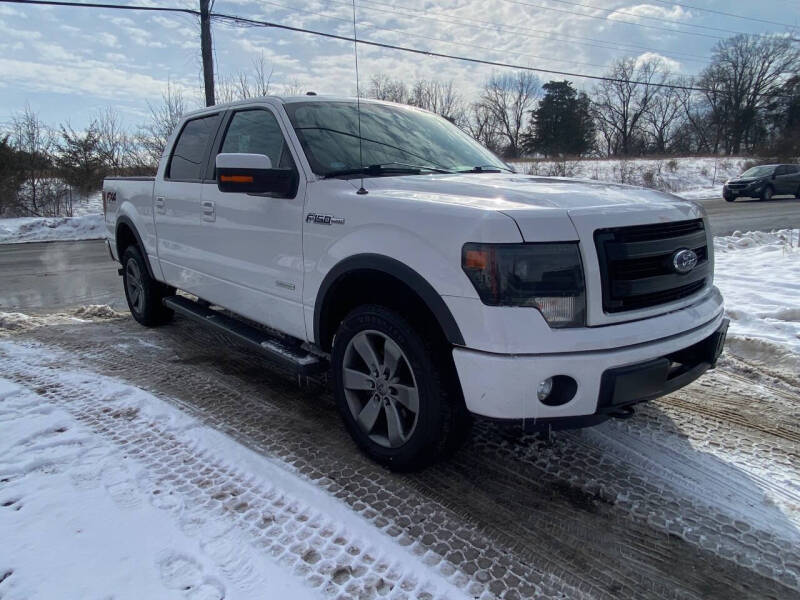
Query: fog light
pixel 544 389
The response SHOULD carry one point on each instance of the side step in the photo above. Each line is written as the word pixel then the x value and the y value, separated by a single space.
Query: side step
pixel 273 347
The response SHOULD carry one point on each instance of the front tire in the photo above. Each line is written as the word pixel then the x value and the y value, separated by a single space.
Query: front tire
pixel 767 193
pixel 143 293
pixel 392 390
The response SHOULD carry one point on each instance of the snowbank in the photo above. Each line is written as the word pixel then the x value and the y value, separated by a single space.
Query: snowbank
pixel 688 177
pixel 759 276
pixel 48 229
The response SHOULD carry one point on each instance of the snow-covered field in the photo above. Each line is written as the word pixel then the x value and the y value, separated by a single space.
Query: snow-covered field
pixel 689 177
pixel 759 276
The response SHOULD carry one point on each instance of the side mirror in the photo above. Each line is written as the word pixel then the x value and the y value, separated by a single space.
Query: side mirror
pixel 253 174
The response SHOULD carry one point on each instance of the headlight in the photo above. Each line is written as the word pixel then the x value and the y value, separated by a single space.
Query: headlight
pixel 546 276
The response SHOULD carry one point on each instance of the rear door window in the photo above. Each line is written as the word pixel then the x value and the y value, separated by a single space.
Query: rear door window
pixel 188 157
pixel 257 132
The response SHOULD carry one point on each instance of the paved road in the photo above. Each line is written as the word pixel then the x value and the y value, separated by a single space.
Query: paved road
pixel 55 275
pixel 747 214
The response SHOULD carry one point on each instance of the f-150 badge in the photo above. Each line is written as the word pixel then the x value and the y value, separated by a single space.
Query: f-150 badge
pixel 324 219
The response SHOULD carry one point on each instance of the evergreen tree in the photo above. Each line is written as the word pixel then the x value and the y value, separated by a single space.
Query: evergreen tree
pixel 79 160
pixel 562 124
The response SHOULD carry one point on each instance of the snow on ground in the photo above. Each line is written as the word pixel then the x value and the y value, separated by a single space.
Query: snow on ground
pixel 106 490
pixel 46 229
pixel 759 276
pixel 689 177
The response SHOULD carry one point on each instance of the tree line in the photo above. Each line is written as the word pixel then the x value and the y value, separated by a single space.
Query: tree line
pixel 746 101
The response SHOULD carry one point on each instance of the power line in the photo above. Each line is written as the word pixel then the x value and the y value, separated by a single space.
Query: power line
pixel 237 20
pixel 429 38
pixel 721 12
pixel 493 26
pixel 584 15
pixel 187 11
pixel 612 11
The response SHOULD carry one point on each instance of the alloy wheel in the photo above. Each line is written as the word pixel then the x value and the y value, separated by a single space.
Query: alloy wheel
pixel 133 283
pixel 380 388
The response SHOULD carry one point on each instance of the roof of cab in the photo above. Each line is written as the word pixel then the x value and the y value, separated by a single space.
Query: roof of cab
pixel 286 100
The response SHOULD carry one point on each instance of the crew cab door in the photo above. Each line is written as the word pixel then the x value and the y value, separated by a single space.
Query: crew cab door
pixel 177 204
pixel 254 260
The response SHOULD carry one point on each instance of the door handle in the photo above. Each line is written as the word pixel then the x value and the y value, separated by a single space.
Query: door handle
pixel 209 211
pixel 161 205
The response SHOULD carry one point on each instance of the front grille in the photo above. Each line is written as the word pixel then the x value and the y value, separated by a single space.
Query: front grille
pixel 636 264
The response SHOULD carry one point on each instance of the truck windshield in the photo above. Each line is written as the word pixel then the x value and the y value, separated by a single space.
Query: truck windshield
pixel 391 135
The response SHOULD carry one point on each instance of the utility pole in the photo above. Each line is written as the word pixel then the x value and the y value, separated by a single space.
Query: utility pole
pixel 205 50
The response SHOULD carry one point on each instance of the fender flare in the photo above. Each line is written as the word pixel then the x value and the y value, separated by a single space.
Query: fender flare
pixel 378 262
pixel 126 220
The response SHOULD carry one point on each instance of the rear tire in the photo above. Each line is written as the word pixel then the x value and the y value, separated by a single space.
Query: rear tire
pixel 143 293
pixel 395 390
pixel 767 193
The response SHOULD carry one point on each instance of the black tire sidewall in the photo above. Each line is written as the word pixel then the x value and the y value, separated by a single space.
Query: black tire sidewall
pixel 420 449
pixel 764 193
pixel 153 312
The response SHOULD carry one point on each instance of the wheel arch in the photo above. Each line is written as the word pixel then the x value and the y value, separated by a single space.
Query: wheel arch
pixel 125 235
pixel 345 286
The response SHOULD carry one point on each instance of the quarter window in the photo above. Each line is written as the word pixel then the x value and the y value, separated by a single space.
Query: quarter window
pixel 188 156
pixel 257 132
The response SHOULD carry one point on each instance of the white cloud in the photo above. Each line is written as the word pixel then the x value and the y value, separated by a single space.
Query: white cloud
pixel 672 65
pixel 107 39
pixel 628 13
pixel 91 78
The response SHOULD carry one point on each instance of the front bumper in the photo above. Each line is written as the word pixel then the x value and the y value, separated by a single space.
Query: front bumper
pixel 504 386
pixel 752 190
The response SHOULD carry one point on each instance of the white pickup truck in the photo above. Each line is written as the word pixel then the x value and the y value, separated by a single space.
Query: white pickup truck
pixel 384 245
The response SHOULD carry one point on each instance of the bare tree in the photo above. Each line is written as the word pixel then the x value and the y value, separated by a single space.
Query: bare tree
pixel 482 125
pixel 663 117
pixel 164 118
pixel 745 71
pixel 440 97
pixel 510 98
pixel 40 193
pixel 246 84
pixel 621 104
pixel 382 87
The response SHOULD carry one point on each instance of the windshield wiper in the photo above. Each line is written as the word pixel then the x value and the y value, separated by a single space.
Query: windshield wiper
pixel 386 169
pixel 486 169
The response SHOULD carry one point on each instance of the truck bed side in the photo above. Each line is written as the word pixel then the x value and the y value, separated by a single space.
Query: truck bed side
pixel 128 202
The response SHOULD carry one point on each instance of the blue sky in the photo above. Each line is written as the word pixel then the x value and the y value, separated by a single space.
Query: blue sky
pixel 70 63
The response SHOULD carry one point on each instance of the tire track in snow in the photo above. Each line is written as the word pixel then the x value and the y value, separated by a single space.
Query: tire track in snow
pixel 226 506
pixel 565 516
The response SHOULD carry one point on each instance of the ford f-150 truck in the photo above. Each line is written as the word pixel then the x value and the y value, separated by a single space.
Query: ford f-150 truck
pixel 379 243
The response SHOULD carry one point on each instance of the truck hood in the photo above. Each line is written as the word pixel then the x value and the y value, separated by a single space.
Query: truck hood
pixel 544 208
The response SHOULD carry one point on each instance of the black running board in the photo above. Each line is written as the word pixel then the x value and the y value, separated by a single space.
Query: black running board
pixel 275 349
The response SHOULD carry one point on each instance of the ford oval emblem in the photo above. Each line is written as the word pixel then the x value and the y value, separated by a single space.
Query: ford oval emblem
pixel 684 260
